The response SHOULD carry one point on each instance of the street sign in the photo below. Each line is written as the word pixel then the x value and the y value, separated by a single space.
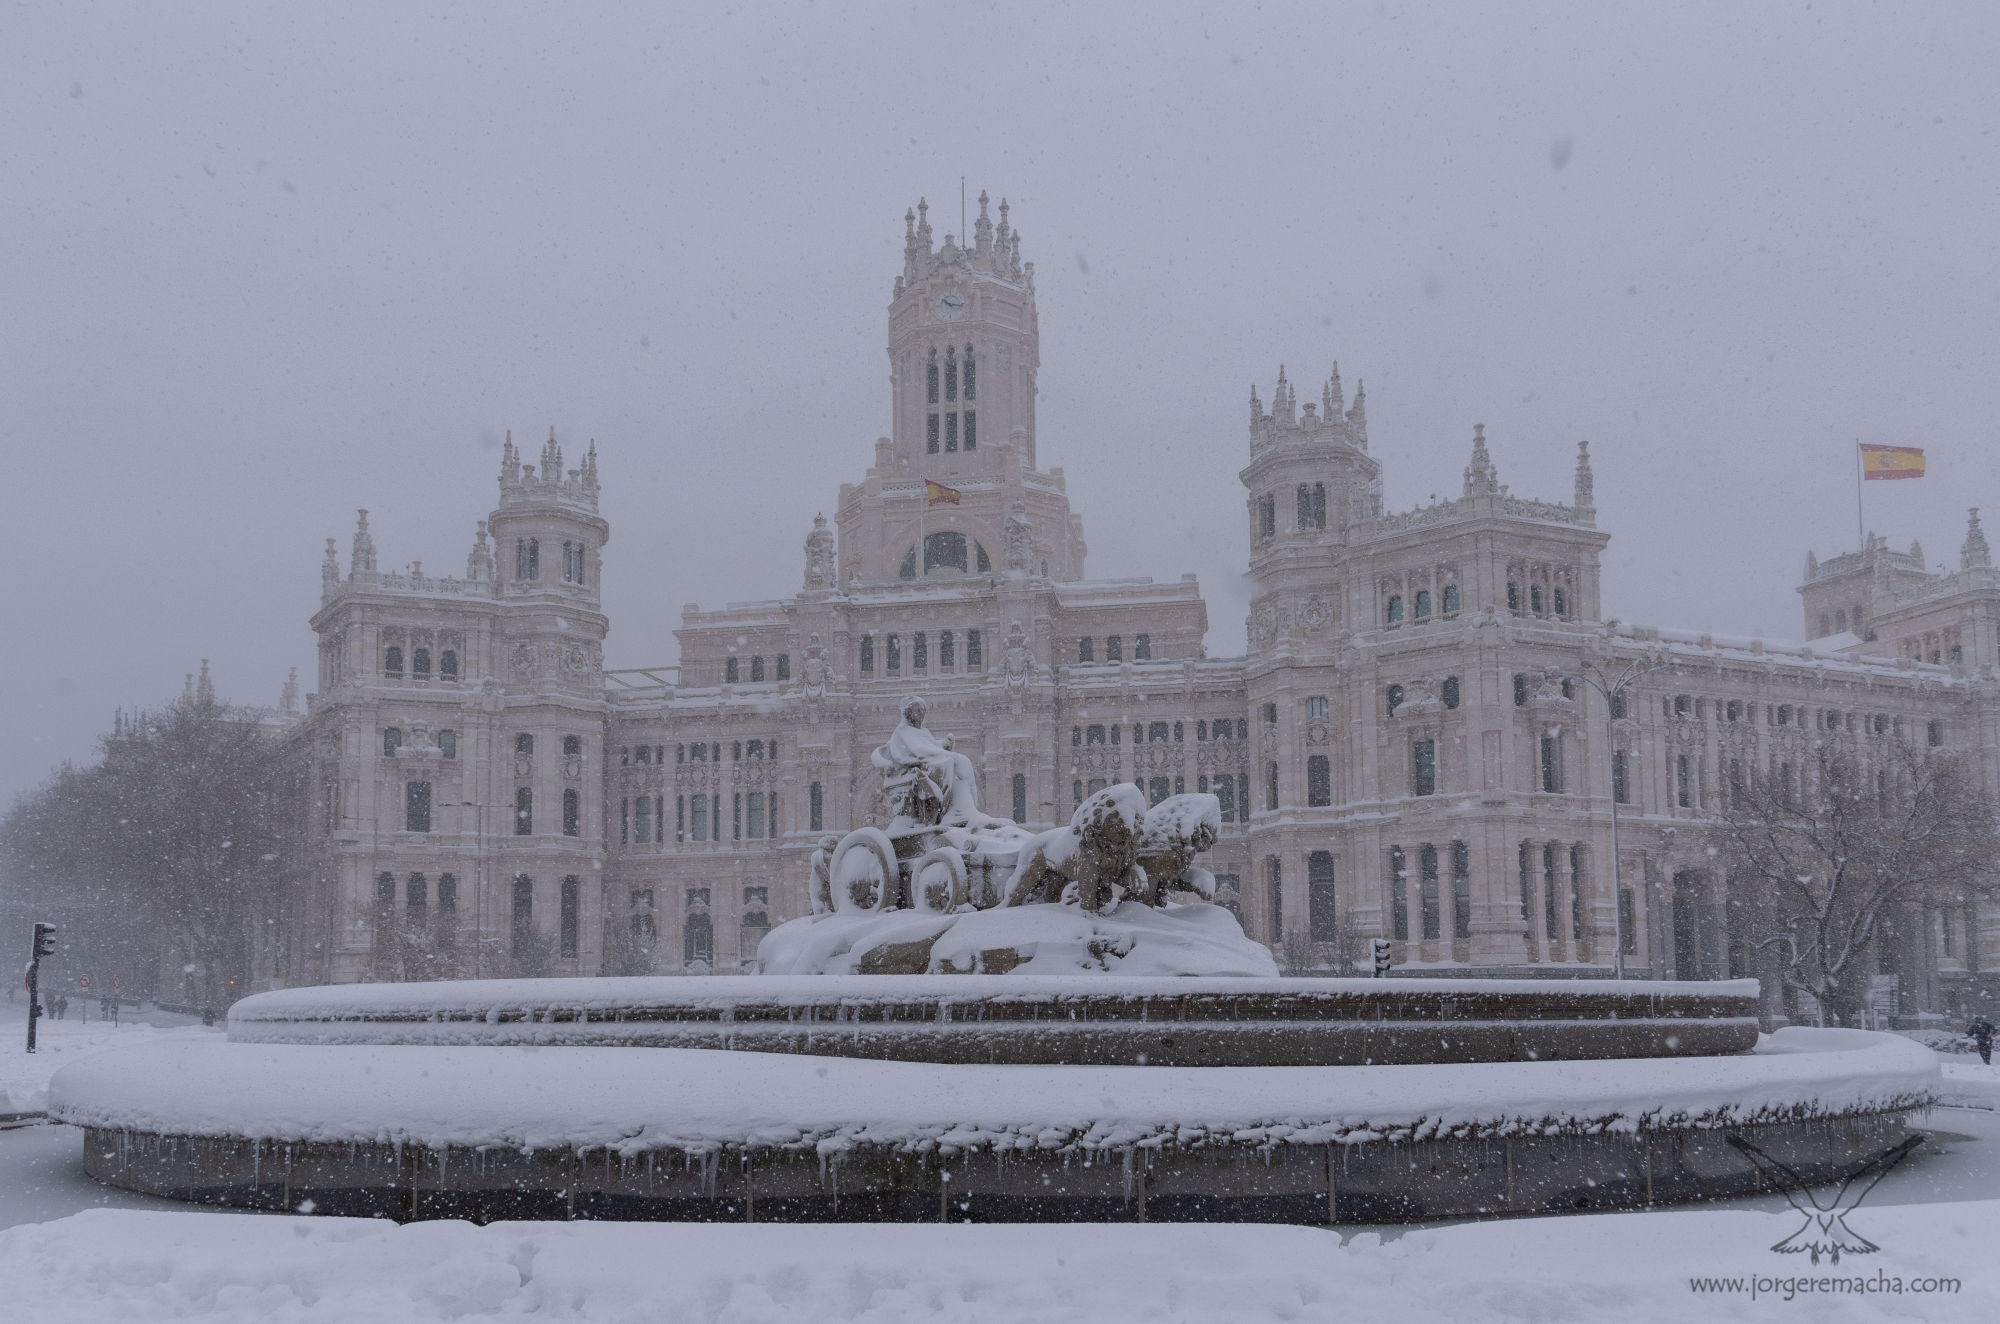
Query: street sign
pixel 83 981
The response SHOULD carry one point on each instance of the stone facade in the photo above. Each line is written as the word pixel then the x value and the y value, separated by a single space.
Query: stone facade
pixel 1409 749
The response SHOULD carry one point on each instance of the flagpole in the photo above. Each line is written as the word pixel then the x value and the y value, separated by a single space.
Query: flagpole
pixel 1860 534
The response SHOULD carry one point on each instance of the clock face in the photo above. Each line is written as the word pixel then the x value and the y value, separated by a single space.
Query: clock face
pixel 951 306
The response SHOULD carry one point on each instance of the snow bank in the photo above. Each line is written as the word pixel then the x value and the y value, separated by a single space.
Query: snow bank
pixel 698 1101
pixel 24 1076
pixel 142 1268
pixel 1970 1085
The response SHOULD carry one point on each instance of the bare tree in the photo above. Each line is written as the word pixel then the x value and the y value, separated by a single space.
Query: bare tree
pixel 169 841
pixel 1821 858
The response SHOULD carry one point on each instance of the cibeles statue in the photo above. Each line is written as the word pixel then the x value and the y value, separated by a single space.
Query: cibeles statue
pixel 945 888
pixel 927 781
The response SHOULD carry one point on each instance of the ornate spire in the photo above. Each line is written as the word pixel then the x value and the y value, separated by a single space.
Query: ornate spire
pixel 1975 554
pixel 551 458
pixel 329 570
pixel 479 563
pixel 1481 478
pixel 924 225
pixel 1357 417
pixel 1283 400
pixel 820 573
pixel 288 698
pixel 1335 400
pixel 510 462
pixel 590 467
pixel 1586 481
pixel 204 688
pixel 982 229
pixel 1256 407
pixel 364 546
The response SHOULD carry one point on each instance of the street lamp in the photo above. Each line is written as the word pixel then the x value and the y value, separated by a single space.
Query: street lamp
pixel 1614 692
pixel 478 886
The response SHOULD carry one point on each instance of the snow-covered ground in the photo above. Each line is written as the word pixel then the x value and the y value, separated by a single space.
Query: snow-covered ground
pixel 24 1077
pixel 136 1267
pixel 105 1255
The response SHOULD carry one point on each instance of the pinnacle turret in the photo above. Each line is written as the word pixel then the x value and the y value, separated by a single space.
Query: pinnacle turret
pixel 1481 478
pixel 1357 417
pixel 1586 481
pixel 1974 554
pixel 364 546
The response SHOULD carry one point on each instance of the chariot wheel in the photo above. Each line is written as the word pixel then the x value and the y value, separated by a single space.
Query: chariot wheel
pixel 938 880
pixel 863 872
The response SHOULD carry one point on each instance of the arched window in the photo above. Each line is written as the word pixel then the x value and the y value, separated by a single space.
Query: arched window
pixel 1451 599
pixel 1319 781
pixel 1142 648
pixel 1114 649
pixel 951 376
pixel 1535 599
pixel 1513 597
pixel 573 811
pixel 420 663
pixel 524 811
pixel 868 652
pixel 920 652
pixel 784 666
pixel 931 381
pixel 392 660
pixel 1562 602
pixel 573 747
pixel 947 650
pixel 448 664
pixel 416 806
pixel 971 385
pixel 757 667
pixel 527 558
pixel 1395 608
pixel 1449 691
pixel 1423 604
pixel 523 917
pixel 895 653
pixel 1085 650
pixel 392 740
pixel 698 944
pixel 524 744
pixel 944 551
pixel 448 744
pixel 729 672
pixel 931 432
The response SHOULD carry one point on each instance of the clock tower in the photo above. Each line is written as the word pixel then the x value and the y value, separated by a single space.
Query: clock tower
pixel 963 347
pixel 955 488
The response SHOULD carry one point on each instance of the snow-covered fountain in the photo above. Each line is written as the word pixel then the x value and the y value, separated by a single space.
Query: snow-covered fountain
pixel 978 1021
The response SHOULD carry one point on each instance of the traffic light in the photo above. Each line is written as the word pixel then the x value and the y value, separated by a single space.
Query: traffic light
pixel 1381 949
pixel 45 940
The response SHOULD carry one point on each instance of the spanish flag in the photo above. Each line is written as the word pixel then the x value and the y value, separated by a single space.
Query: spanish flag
pixel 940 495
pixel 1891 462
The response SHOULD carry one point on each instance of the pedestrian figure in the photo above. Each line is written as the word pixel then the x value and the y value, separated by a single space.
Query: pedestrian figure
pixel 1981 1031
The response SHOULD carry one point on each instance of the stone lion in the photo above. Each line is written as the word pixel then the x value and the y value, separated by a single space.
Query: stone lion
pixel 1174 831
pixel 1097 852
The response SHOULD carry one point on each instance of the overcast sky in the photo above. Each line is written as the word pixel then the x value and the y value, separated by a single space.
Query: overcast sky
pixel 267 264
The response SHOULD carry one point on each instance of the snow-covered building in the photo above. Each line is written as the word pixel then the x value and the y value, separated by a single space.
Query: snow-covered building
pixel 1410 748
